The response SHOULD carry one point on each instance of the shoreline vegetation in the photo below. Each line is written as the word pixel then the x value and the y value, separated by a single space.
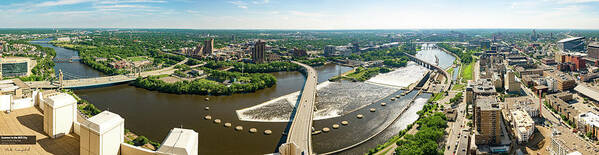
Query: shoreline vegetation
pixel 217 83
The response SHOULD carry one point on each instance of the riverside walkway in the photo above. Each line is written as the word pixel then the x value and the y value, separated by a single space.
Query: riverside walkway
pixel 299 138
pixel 101 81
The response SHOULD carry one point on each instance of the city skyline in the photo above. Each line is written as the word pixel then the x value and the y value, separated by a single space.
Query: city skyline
pixel 312 14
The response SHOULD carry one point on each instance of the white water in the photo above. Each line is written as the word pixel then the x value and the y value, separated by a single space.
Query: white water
pixel 337 98
pixel 401 77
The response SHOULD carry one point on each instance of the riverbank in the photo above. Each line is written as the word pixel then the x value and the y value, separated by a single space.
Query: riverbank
pixel 217 83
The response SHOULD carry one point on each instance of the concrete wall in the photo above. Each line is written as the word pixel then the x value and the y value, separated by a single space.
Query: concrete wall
pixel 127 149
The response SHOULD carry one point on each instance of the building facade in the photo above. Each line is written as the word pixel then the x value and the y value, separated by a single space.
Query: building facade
pixel 574 44
pixel 593 50
pixel 487 121
pixel 588 123
pixel 208 47
pixel 258 55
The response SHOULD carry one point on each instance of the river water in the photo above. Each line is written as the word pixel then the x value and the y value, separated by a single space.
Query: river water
pixel 153 114
pixel 73 70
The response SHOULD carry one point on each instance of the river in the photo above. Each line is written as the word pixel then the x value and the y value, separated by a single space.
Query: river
pixel 153 114
pixel 73 70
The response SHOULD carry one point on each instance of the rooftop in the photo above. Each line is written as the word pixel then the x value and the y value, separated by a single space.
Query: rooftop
pixel 590 118
pixel 487 103
pixel 483 86
pixel 29 121
pixel 570 39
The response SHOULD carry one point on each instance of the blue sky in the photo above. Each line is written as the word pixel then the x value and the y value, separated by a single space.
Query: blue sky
pixel 300 14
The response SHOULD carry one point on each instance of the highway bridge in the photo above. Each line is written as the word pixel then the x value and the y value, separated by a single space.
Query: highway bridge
pixel 431 66
pixel 101 81
pixel 299 137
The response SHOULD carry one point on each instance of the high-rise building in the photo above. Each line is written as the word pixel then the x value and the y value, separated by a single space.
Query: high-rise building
pixel 574 44
pixel 487 120
pixel 485 44
pixel 233 38
pixel 329 50
pixel 593 50
pixel 258 55
pixel 197 51
pixel 208 47
pixel 355 47
pixel 299 52
pixel 511 84
pixel 533 37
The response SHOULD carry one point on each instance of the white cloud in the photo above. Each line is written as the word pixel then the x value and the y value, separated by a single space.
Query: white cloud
pixel 261 2
pixel 61 2
pixel 240 4
pixel 130 1
pixel 120 6
pixel 577 1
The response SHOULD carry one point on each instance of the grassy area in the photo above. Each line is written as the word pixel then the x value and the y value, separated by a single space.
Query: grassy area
pixel 139 58
pixel 467 72
pixel 438 96
pixel 459 87
pixel 362 74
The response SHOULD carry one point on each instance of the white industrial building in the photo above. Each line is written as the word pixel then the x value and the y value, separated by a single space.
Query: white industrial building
pixel 60 112
pixel 102 134
pixel 180 141
pixel 523 125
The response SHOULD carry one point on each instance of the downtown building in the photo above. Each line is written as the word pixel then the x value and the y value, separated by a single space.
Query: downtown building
pixel 487 121
pixel 588 123
pixel 258 54
pixel 574 44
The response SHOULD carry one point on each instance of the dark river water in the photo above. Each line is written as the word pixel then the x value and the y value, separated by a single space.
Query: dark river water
pixel 153 114
pixel 71 70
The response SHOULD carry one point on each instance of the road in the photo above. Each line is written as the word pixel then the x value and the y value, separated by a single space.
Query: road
pixel 457 135
pixel 300 132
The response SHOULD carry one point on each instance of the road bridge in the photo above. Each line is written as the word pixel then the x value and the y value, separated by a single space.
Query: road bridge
pixel 431 66
pixel 101 81
pixel 299 137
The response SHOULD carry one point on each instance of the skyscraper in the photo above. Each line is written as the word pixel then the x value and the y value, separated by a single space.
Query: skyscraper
pixel 258 55
pixel 533 37
pixel 208 47
pixel 329 50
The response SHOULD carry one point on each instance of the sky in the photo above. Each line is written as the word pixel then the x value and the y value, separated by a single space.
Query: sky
pixel 300 14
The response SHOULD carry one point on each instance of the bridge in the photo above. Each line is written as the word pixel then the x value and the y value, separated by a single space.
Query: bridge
pixel 437 42
pixel 299 137
pixel 67 60
pixel 101 81
pixel 431 66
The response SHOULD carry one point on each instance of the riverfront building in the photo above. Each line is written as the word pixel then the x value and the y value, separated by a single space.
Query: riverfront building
pixel 16 66
pixel 258 54
pixel 574 44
